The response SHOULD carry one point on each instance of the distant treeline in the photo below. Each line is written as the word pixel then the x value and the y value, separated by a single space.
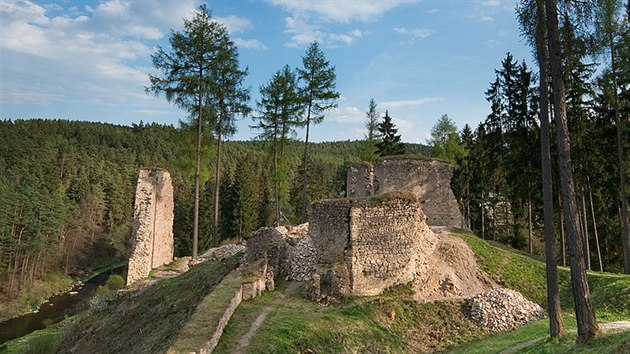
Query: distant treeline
pixel 67 190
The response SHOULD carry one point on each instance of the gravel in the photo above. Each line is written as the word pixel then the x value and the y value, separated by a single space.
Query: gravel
pixel 501 309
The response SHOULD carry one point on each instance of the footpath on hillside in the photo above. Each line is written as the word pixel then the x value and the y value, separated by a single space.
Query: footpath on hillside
pixel 244 341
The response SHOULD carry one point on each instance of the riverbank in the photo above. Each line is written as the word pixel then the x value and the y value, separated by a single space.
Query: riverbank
pixel 50 285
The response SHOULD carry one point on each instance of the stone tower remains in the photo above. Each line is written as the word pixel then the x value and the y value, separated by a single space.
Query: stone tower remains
pixel 428 179
pixel 366 245
pixel 152 243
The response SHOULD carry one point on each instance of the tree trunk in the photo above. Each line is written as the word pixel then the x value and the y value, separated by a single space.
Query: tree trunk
pixel 587 246
pixel 563 245
pixel 197 173
pixel 217 184
pixel 556 323
pixel 305 165
pixel 590 197
pixel 529 224
pixel 483 219
pixel 584 312
pixel 276 182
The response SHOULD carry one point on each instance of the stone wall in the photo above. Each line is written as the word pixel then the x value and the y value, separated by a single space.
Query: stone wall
pixel 366 245
pixel 152 238
pixel 427 179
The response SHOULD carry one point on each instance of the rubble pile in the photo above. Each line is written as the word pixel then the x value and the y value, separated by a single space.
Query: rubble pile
pixel 224 251
pixel 502 309
pixel 302 259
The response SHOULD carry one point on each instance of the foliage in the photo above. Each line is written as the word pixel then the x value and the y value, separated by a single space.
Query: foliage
pixel 372 137
pixel 446 141
pixel 390 143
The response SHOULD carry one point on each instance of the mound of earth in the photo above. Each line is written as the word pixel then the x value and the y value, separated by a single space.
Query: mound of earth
pixel 448 269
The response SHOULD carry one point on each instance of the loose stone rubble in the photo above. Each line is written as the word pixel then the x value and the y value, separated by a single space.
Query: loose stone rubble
pixel 301 265
pixel 224 251
pixel 501 309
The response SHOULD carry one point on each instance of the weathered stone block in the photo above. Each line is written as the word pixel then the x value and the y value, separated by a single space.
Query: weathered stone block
pixel 366 245
pixel 152 238
pixel 428 179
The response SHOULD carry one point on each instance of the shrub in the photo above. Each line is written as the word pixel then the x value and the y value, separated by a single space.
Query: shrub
pixel 115 282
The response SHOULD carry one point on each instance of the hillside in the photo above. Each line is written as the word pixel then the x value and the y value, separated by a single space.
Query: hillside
pixel 389 323
pixel 69 186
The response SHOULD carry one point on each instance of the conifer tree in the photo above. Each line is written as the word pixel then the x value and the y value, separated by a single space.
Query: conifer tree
pixel 584 312
pixel 390 143
pixel 319 96
pixel 281 107
pixel 372 136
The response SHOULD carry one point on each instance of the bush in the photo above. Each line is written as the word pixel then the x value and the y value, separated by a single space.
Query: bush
pixel 43 344
pixel 115 282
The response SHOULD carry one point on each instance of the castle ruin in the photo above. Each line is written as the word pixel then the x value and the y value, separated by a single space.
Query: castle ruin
pixel 428 179
pixel 152 239
pixel 366 245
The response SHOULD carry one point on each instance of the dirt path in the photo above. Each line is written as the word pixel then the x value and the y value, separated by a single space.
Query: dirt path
pixel 609 326
pixel 243 343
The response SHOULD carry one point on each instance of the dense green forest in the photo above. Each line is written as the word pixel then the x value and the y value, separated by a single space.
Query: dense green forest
pixel 67 191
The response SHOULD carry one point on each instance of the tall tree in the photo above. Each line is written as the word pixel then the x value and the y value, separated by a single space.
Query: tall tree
pixel 319 96
pixel 584 312
pixel 390 143
pixel 372 135
pixel 229 98
pixel 532 18
pixel 187 78
pixel 280 106
pixel 446 142
pixel 608 29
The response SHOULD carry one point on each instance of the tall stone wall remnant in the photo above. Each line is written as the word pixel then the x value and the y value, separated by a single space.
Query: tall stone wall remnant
pixel 152 238
pixel 366 245
pixel 428 179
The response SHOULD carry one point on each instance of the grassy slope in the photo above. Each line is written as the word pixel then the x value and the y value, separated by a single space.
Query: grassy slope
pixel 389 323
pixel 148 321
pixel 366 324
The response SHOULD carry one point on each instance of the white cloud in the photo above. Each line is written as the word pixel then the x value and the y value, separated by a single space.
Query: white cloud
pixel 491 3
pixel 346 38
pixel 486 18
pixel 235 24
pixel 74 55
pixel 301 32
pixel 350 115
pixel 414 102
pixel 416 34
pixel 341 11
pixel 402 124
pixel 249 44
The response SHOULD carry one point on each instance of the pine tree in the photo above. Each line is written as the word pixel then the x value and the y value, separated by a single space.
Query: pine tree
pixel 584 312
pixel 372 136
pixel 390 144
pixel 319 96
pixel 281 107
pixel 188 77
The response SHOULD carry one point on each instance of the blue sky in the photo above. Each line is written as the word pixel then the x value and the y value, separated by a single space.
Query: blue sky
pixel 90 60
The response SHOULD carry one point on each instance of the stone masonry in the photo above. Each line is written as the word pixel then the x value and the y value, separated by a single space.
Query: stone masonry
pixel 366 245
pixel 152 242
pixel 428 179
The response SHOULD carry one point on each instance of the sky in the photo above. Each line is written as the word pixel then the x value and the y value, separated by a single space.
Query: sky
pixel 90 60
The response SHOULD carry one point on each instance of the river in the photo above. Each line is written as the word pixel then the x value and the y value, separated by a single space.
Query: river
pixel 55 309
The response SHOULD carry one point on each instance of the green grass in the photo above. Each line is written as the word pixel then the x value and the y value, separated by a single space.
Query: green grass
pixel 146 321
pixel 390 323
pixel 201 325
pixel 43 341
